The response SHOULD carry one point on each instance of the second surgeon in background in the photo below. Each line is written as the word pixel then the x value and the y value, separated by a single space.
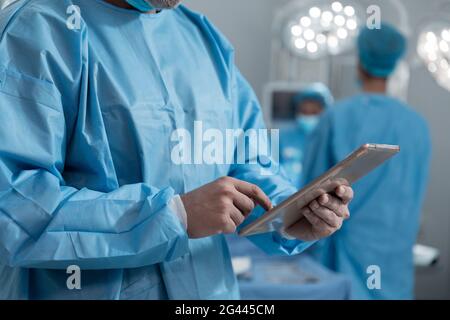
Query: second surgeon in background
pixel 385 222
pixel 308 105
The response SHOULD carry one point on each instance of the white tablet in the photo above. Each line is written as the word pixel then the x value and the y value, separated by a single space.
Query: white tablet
pixel 357 165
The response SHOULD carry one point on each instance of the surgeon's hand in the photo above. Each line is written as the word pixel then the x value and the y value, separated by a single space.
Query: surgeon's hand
pixel 221 206
pixel 324 216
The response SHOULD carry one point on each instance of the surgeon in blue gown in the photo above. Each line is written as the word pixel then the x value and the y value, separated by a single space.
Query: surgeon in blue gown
pixel 308 105
pixel 92 95
pixel 375 247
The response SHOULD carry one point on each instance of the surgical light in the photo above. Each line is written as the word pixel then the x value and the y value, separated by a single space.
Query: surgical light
pixel 322 29
pixel 443 45
pixel 352 24
pixel 432 56
pixel 340 20
pixel 312 47
pixel 309 34
pixel 321 38
pixel 300 44
pixel 342 33
pixel 315 12
pixel 432 67
pixel 333 42
pixel 431 37
pixel 433 48
pixel 445 34
pixel 305 21
pixel 337 6
pixel 327 16
pixel 296 30
pixel 349 11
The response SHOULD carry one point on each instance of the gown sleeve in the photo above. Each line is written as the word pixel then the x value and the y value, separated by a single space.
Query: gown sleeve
pixel 45 222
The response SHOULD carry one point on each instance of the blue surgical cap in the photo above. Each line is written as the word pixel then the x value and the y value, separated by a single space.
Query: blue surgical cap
pixel 380 50
pixel 316 92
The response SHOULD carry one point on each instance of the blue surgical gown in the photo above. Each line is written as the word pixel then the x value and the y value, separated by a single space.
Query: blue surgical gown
pixel 386 210
pixel 85 151
pixel 292 144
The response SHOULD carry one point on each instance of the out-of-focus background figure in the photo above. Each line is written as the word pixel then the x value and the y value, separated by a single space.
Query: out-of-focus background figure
pixel 386 214
pixel 308 105
pixel 294 43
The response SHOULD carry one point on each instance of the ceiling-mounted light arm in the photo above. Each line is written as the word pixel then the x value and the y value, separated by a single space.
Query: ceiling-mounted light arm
pixel 403 18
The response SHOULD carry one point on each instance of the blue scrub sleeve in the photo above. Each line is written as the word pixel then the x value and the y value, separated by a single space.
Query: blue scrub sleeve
pixel 275 184
pixel 45 223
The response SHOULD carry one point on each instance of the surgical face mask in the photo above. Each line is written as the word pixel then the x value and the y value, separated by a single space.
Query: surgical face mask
pixel 308 123
pixel 148 5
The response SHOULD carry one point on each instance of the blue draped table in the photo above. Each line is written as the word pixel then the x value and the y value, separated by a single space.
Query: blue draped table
pixel 286 278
